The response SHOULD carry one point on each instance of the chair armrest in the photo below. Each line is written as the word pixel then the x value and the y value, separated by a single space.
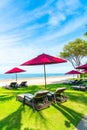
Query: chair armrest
pixel 28 96
pixel 50 93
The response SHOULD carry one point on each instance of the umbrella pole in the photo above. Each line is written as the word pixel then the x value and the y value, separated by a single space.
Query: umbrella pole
pixel 16 77
pixel 45 75
pixel 73 76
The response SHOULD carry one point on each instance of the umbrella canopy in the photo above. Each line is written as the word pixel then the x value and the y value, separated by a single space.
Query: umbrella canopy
pixel 15 70
pixel 84 71
pixel 73 72
pixel 82 66
pixel 44 59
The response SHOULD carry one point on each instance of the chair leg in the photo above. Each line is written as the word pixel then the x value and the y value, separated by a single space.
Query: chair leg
pixel 55 99
pixel 24 101
pixel 33 105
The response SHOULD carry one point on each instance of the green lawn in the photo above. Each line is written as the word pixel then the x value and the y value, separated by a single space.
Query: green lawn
pixel 62 116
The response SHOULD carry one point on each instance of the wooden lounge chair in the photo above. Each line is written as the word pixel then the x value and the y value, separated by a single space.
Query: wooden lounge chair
pixel 23 84
pixel 37 101
pixel 58 95
pixel 76 82
pixel 12 85
pixel 80 87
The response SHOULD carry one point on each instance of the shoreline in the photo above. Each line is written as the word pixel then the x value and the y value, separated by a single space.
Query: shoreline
pixel 36 81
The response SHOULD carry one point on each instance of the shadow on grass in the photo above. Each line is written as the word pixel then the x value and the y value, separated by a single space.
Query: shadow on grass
pixel 77 96
pixel 5 97
pixel 35 88
pixel 30 89
pixel 13 121
pixel 72 116
pixel 40 120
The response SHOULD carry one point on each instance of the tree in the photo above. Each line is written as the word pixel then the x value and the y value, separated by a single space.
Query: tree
pixel 75 51
pixel 85 34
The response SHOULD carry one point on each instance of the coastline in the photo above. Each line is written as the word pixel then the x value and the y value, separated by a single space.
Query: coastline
pixel 37 81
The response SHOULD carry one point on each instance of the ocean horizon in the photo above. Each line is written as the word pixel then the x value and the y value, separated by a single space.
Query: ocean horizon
pixel 20 76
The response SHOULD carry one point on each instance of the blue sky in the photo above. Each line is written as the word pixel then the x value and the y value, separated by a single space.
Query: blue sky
pixel 30 27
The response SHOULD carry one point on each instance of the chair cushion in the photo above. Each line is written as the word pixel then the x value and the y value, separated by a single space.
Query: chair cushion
pixel 40 94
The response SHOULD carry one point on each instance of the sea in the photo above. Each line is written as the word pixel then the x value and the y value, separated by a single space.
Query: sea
pixel 20 76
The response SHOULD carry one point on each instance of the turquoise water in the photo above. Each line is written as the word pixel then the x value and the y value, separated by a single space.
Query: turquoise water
pixel 19 75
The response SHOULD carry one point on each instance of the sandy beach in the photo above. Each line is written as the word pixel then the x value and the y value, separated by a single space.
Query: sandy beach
pixel 37 81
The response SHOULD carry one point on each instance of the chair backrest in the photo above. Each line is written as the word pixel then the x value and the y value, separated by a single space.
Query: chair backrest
pixel 13 84
pixel 75 81
pixel 60 90
pixel 80 81
pixel 40 94
pixel 23 83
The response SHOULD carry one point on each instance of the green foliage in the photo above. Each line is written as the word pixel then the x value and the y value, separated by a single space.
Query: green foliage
pixel 85 34
pixel 75 51
pixel 63 116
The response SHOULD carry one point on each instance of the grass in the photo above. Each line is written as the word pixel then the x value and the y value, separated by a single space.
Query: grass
pixel 63 116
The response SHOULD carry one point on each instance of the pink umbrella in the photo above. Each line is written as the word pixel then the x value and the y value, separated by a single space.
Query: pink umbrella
pixel 82 66
pixel 15 70
pixel 73 72
pixel 44 59
pixel 85 71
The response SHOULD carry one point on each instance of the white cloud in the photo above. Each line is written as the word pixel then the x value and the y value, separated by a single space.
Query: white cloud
pixel 68 6
pixel 62 9
pixel 11 21
pixel 56 18
pixel 70 27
